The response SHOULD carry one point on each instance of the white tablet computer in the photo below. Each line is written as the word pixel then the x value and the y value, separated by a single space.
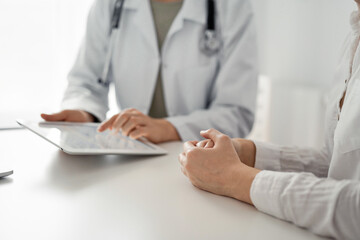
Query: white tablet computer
pixel 84 139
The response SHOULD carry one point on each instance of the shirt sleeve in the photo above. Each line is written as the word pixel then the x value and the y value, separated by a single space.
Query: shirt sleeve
pixel 325 206
pixel 232 97
pixel 83 91
pixel 291 159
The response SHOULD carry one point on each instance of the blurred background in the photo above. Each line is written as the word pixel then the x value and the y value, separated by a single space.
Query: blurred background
pixel 299 44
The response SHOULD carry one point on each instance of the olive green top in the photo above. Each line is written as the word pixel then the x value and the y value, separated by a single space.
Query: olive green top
pixel 164 15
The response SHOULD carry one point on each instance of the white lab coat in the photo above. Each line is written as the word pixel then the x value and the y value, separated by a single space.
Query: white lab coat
pixel 200 92
pixel 324 195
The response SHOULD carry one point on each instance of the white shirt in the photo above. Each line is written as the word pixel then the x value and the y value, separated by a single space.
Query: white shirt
pixel 320 189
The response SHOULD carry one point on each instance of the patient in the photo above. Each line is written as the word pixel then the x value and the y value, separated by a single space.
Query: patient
pixel 315 189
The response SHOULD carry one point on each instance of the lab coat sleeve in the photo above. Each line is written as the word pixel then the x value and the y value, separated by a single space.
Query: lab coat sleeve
pixel 233 95
pixel 324 206
pixel 291 159
pixel 83 91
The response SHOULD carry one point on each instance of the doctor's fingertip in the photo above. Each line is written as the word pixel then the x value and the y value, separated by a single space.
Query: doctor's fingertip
pixel 44 116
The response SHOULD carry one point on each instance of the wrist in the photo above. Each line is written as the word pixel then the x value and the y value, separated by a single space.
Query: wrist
pixel 243 182
pixel 169 131
pixel 89 117
pixel 246 151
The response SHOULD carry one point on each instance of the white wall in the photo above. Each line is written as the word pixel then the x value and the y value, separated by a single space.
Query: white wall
pixel 299 43
pixel 38 44
pixel 300 39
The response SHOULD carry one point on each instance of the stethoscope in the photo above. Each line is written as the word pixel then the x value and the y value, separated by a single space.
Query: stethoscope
pixel 210 44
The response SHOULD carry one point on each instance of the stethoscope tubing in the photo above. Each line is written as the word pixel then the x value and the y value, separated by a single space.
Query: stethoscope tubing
pixel 115 24
pixel 210 43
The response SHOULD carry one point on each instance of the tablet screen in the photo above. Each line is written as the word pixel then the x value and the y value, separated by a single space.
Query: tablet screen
pixel 86 136
pixel 83 138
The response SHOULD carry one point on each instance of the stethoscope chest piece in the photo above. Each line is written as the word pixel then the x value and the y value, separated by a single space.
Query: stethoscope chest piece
pixel 210 43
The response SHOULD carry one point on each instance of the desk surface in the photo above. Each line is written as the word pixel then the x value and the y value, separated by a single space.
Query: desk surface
pixel 53 195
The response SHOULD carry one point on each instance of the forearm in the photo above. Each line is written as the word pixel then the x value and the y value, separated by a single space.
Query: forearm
pixel 293 159
pixel 325 206
pixel 244 177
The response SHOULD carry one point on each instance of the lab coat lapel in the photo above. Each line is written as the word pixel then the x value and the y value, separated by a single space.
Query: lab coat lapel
pixel 145 22
pixel 192 10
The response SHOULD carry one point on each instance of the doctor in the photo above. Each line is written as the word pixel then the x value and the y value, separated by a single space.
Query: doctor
pixel 177 67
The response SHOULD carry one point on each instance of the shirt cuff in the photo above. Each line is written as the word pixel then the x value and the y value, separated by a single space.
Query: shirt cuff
pixel 267 156
pixel 265 193
pixel 184 132
pixel 88 106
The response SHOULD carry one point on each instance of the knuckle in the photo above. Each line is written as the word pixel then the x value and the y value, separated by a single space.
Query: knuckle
pixel 186 143
pixel 123 116
pixel 134 119
pixel 136 134
pixel 113 118
pixel 191 153
pixel 133 110
pixel 224 138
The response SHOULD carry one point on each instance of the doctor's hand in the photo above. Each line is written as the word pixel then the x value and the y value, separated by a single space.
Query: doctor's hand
pixel 135 124
pixel 69 116
pixel 218 169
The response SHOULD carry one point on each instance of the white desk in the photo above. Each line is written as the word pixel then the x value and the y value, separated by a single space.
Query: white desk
pixel 57 196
